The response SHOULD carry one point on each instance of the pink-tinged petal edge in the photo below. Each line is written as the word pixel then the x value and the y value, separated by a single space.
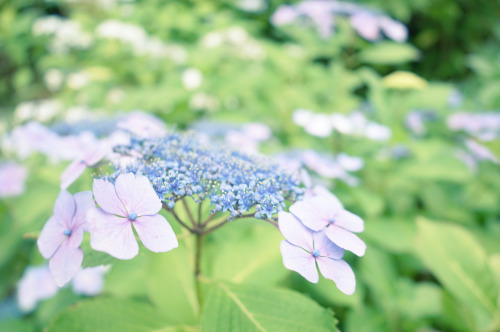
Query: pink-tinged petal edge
pixel 71 173
pixel 112 234
pixel 65 263
pixel 294 232
pixel 106 197
pixel 137 194
pixel 307 214
pixel 338 271
pixel 64 208
pixel 84 202
pixel 349 221
pixel 345 239
pixel 300 261
pixel 155 233
pixel 51 237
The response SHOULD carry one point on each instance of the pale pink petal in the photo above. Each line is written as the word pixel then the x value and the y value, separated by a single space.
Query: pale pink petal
pixel 326 247
pixel 75 238
pixel 65 263
pixel 64 208
pixel 338 271
pixel 155 233
pixel 105 195
pixel 345 239
pixel 112 234
pixel 322 191
pixel 71 173
pixel 307 213
pixel 293 230
pixel 96 155
pixel 300 261
pixel 51 237
pixel 325 207
pixel 84 202
pixel 349 221
pixel 137 194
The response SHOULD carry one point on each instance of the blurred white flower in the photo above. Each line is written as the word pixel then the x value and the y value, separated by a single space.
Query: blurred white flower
pixel 192 78
pixel 484 126
pixel 319 125
pixel 253 6
pixel 77 80
pixel 66 34
pixel 53 79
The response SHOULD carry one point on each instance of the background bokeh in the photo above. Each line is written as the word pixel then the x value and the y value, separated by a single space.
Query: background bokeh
pixel 392 105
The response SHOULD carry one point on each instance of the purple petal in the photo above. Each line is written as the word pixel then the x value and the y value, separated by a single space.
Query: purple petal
pixel 338 271
pixel 326 247
pixel 105 195
pixel 137 194
pixel 300 261
pixel 155 233
pixel 65 263
pixel 76 237
pixel 51 237
pixel 349 221
pixel 293 230
pixel 71 173
pixel 322 191
pixel 346 240
pixel 64 208
pixel 84 202
pixel 112 234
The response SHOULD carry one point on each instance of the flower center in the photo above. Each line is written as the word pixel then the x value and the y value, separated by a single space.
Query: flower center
pixel 331 221
pixel 132 216
pixel 67 232
pixel 315 253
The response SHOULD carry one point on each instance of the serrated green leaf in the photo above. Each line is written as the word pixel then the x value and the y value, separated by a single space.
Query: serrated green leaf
pixel 459 261
pixel 244 308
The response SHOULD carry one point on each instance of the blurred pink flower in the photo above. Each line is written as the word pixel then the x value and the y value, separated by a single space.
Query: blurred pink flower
pixel 12 179
pixel 36 284
pixel 89 281
pixel 78 166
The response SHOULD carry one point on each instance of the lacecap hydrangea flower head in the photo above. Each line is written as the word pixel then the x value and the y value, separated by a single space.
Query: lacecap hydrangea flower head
pixel 215 185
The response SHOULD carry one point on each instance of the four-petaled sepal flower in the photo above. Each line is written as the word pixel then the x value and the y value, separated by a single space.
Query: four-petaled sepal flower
pixel 303 249
pixel 321 213
pixel 131 200
pixel 62 235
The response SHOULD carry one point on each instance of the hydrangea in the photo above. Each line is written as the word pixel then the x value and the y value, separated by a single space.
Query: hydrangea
pixel 180 165
pixel 319 214
pixel 130 201
pixel 62 235
pixel 36 284
pixel 304 248
pixel 12 179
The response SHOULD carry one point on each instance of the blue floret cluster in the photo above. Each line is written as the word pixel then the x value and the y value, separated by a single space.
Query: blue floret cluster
pixel 180 165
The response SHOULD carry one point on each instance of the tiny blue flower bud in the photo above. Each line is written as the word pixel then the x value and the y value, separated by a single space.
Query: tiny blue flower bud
pixel 315 253
pixel 67 232
pixel 170 205
pixel 132 216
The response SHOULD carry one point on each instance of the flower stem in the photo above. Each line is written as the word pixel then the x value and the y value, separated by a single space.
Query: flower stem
pixel 197 267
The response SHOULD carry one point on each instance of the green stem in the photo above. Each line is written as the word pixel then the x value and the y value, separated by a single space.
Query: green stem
pixel 197 267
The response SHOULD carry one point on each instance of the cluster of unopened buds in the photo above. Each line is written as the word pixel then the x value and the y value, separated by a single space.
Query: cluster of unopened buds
pixel 215 186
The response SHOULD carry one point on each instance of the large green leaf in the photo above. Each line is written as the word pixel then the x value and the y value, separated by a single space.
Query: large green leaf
pixel 459 261
pixel 106 314
pixel 244 308
pixel 171 285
